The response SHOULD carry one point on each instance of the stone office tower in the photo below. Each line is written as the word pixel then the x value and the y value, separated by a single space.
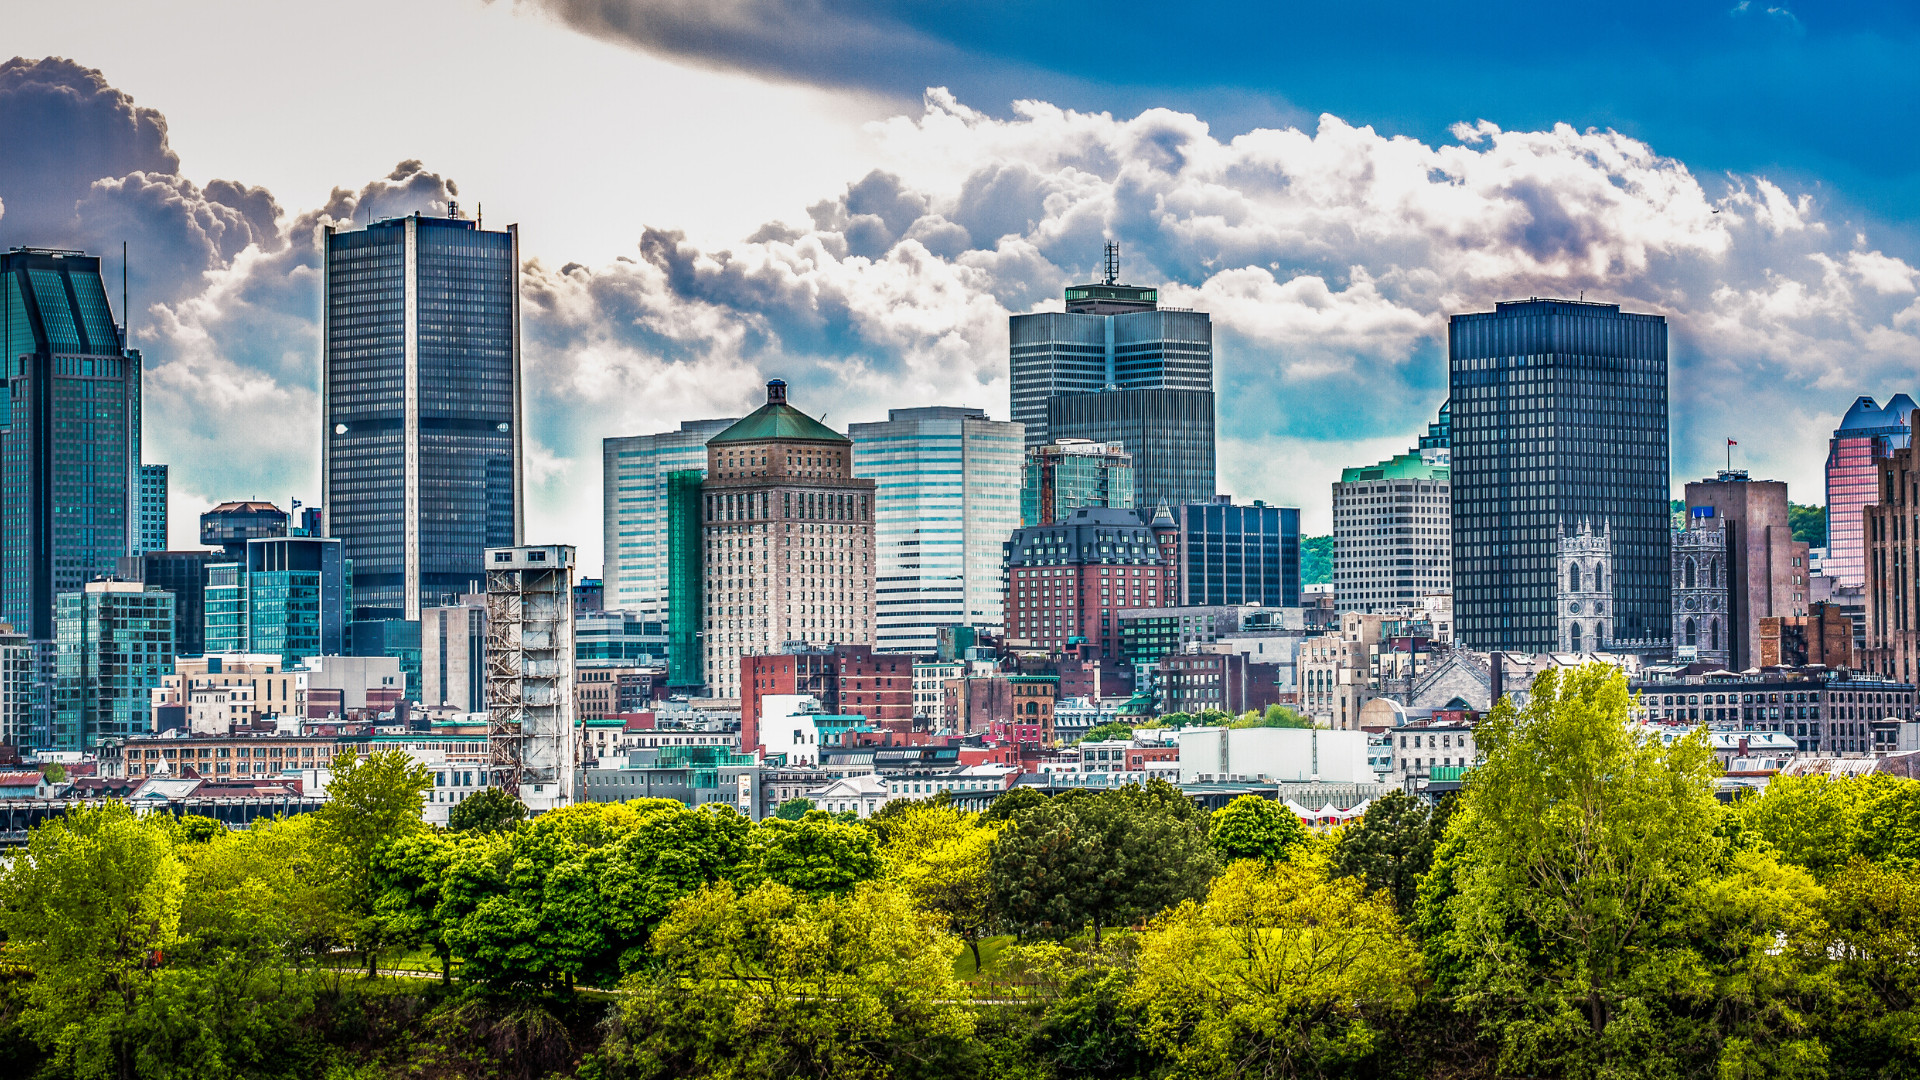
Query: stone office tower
pixel 788 540
pixel 420 390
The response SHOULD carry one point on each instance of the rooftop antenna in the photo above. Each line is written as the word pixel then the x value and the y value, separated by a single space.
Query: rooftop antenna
pixel 126 316
pixel 479 214
pixel 1113 263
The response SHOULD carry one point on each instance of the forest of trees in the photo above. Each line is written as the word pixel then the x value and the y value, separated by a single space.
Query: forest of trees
pixel 1584 908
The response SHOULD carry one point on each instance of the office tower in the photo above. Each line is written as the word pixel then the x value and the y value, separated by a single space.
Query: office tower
pixel 946 494
pixel 453 652
pixel 787 540
pixel 184 574
pixel 150 532
pixel 1111 337
pixel 686 578
pixel 1701 601
pixel 1169 432
pixel 529 684
pixel 231 524
pixel 115 643
pixel 1866 434
pixel 1766 567
pixel 1392 529
pixel 69 434
pixel 1067 582
pixel 420 379
pixel 16 688
pixel 289 597
pixel 1238 555
pixel 1067 474
pixel 398 639
pixel 1559 415
pixel 1892 560
pixel 634 482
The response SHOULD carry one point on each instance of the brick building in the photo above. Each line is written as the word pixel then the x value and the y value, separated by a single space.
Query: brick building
pixel 1823 636
pixel 1890 528
pixel 847 679
pixel 1194 682
pixel 1067 582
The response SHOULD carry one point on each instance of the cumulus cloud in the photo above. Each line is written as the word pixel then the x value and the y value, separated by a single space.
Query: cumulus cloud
pixel 1329 258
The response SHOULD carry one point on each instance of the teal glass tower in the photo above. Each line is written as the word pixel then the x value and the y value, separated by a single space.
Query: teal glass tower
pixel 69 434
pixel 420 372
pixel 115 642
pixel 290 598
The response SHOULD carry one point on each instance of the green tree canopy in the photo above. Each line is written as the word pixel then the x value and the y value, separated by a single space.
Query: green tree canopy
pixel 793 809
pixel 486 810
pixel 1390 848
pixel 1104 732
pixel 1252 827
pixel 370 800
pixel 942 857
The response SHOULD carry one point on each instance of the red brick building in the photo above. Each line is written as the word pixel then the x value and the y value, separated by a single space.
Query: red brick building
pixel 1066 581
pixel 849 680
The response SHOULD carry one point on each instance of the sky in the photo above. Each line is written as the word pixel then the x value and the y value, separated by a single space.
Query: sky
pixel 855 197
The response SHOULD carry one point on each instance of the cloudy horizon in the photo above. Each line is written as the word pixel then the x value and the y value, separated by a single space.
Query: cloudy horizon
pixel 1329 251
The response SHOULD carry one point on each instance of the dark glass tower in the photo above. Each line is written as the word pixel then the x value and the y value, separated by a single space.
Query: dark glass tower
pixel 69 434
pixel 1239 555
pixel 1559 417
pixel 421 370
pixel 1116 339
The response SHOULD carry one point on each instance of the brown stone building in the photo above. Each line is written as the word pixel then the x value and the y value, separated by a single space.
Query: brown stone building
pixel 1766 567
pixel 849 680
pixel 1890 526
pixel 1824 636
pixel 975 704
pixel 788 535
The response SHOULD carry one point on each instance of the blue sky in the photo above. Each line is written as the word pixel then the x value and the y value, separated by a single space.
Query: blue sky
pixel 855 196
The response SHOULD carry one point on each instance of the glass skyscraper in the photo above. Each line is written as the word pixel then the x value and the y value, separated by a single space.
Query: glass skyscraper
pixel 115 642
pixel 69 434
pixel 421 395
pixel 1066 474
pixel 1127 371
pixel 1866 434
pixel 634 494
pixel 1559 417
pixel 289 597
pixel 150 531
pixel 946 497
pixel 1239 555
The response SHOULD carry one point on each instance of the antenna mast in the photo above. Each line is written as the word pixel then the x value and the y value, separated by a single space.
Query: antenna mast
pixel 1113 263
pixel 126 316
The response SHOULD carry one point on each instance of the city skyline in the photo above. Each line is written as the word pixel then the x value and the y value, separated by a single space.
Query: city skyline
pixel 879 270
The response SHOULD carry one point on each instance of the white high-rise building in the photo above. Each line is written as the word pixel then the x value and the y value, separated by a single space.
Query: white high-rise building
pixel 1392 533
pixel 634 516
pixel 946 497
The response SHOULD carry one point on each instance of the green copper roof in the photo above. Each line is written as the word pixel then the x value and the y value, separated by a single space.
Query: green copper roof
pixel 778 420
pixel 1408 466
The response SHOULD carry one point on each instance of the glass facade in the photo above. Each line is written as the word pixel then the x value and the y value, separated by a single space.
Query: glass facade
pixel 69 434
pixel 1168 432
pixel 115 642
pixel 686 577
pixel 1066 474
pixel 1559 416
pixel 150 532
pixel 1239 555
pixel 634 494
pixel 1077 352
pixel 945 483
pixel 1866 434
pixel 289 598
pixel 421 445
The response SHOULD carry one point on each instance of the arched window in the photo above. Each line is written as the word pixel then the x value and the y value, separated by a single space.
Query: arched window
pixel 1573 578
pixel 1686 573
pixel 1693 633
pixel 1573 638
pixel 1599 579
pixel 1713 573
pixel 1713 634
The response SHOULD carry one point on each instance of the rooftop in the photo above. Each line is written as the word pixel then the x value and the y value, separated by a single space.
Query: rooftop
pixel 778 420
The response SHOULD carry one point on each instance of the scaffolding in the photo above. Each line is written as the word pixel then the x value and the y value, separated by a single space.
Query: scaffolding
pixel 531 742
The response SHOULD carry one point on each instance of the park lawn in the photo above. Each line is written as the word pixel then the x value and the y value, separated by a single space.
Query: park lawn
pixel 991 950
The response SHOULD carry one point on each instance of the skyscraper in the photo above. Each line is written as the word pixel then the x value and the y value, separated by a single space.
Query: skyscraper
pixel 634 489
pixel 1559 416
pixel 1066 474
pixel 946 483
pixel 420 372
pixel 1866 434
pixel 1115 339
pixel 231 525
pixel 1392 527
pixel 116 641
pixel 69 434
pixel 1238 555
pixel 150 532
pixel 288 596
pixel 788 540
pixel 1766 568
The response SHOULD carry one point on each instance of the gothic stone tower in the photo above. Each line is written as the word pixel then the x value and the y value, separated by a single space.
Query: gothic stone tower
pixel 1584 610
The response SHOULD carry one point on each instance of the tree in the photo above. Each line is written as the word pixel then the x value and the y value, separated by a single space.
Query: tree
pixel 793 809
pixel 1275 716
pixel 1011 802
pixel 1316 560
pixel 1822 823
pixel 814 856
pixel 486 810
pixel 1281 971
pixel 1108 858
pixel 1871 917
pixel 1808 523
pixel 1578 847
pixel 92 909
pixel 941 857
pixel 1390 848
pixel 54 772
pixel 1108 731
pixel 370 801
pixel 771 982
pixel 1251 827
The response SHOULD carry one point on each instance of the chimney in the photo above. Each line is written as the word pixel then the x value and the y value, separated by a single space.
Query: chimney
pixel 777 392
